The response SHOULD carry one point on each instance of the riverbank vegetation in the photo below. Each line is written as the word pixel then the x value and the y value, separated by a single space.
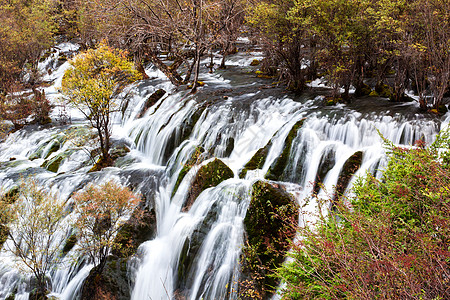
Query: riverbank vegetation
pixel 379 48
pixel 390 240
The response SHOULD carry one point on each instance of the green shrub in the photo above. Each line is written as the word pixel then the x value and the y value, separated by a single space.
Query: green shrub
pixel 391 240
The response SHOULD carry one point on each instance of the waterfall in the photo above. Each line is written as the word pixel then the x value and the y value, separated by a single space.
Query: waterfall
pixel 195 253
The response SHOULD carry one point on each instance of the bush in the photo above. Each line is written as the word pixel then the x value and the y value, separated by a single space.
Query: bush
pixel 391 240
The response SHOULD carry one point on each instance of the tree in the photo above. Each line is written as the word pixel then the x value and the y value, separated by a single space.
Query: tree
pixel 34 220
pixel 27 29
pixel 283 40
pixel 102 210
pixel 391 240
pixel 96 76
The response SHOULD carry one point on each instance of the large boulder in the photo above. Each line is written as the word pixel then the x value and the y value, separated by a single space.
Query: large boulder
pixel 351 165
pixel 209 175
pixel 109 284
pixel 276 169
pixel 271 221
pixel 257 161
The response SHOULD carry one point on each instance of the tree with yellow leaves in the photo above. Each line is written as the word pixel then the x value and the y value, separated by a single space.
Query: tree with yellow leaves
pixel 91 85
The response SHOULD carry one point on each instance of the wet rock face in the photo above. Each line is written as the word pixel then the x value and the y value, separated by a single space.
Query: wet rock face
pixel 348 170
pixel 270 222
pixel 277 168
pixel 151 100
pixel 257 161
pixel 110 284
pixel 209 175
pixel 134 232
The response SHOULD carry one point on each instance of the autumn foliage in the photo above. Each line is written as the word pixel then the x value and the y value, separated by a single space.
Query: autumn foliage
pixel 101 211
pixel 391 240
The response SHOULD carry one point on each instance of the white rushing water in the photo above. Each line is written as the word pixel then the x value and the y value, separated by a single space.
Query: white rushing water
pixel 195 253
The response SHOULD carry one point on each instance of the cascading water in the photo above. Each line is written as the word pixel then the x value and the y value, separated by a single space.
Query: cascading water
pixel 195 252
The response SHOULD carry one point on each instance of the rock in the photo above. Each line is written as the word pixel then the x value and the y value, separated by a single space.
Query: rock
pixel 383 90
pixel 271 221
pixel 69 244
pixel 350 167
pixel 363 90
pixel 255 62
pixel 188 256
pixel 134 232
pixel 151 100
pixel 257 161
pixel 53 164
pixel 327 162
pixel 195 158
pixel 181 134
pixel 111 283
pixel 209 175
pixel 277 168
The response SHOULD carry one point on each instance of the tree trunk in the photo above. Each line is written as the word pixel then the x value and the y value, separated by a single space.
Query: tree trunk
pixel 173 76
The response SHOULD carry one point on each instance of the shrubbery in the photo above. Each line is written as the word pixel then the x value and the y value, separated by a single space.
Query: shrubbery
pixel 391 240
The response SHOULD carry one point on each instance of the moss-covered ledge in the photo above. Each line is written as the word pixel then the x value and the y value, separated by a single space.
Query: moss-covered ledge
pixel 209 175
pixel 277 168
pixel 351 165
pixel 257 161
pixel 271 221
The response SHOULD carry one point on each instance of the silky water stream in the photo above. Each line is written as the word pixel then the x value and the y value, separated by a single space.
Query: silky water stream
pixel 233 116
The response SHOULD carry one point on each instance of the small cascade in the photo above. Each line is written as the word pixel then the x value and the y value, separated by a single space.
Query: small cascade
pixel 295 143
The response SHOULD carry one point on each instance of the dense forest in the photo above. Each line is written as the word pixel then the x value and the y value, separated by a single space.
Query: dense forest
pixel 384 234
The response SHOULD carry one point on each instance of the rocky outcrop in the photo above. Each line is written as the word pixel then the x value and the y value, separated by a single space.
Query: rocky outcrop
pixel 209 175
pixel 277 168
pixel 151 100
pixel 350 167
pixel 110 284
pixel 257 161
pixel 271 221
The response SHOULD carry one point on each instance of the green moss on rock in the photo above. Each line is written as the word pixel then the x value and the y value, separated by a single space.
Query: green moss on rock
pixel 134 232
pixel 270 222
pixel 383 90
pixel 111 283
pixel 277 168
pixel 53 164
pixel 350 167
pixel 151 100
pixel 69 244
pixel 194 159
pixel 255 62
pixel 257 161
pixel 209 175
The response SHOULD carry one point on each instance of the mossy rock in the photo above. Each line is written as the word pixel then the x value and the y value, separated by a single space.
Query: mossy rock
pixel 442 109
pixel 327 162
pixel 363 90
pixel 383 90
pixel 179 135
pixel 195 158
pixel 270 222
pixel 11 296
pixel 4 231
pixel 151 100
pixel 111 283
pixel 257 161
pixel 255 62
pixel 69 244
pixel 191 247
pixel 277 168
pixel 209 175
pixel 53 164
pixel 350 167
pixel 374 94
pixel 134 232
pixel 119 151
